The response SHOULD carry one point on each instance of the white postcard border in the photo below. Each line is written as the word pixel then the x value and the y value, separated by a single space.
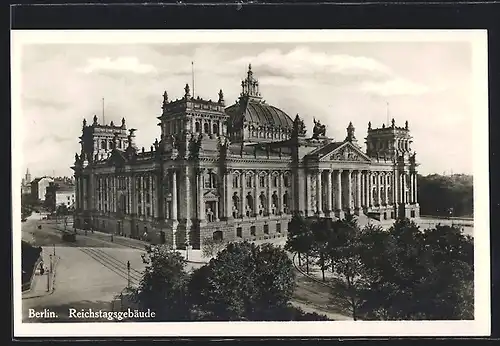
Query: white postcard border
pixel 480 326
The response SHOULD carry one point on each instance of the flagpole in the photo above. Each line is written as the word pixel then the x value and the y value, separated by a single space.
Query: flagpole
pixel 192 75
pixel 103 121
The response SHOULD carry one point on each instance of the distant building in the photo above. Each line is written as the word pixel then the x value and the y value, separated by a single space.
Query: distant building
pixel 39 188
pixel 60 193
pixel 26 183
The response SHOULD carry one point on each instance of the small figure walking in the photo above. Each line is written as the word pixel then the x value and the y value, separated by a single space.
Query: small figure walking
pixel 42 269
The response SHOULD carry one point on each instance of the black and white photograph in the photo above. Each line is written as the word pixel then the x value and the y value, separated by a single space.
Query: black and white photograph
pixel 297 182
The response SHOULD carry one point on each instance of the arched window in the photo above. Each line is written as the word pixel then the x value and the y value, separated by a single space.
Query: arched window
pixel 119 144
pixel 249 181
pixel 103 145
pixel 286 180
pixel 262 181
pixel 197 126
pixel 206 128
pixel 236 179
pixel 275 198
pixel 275 181
pixel 215 128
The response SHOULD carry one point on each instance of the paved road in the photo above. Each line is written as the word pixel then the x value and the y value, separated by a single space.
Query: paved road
pixel 89 273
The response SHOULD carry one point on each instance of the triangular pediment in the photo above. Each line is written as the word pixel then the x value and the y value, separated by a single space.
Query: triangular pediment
pixel 345 152
pixel 210 195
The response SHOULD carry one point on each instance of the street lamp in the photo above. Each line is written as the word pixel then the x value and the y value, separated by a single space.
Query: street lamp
pixel 128 274
pixel 187 250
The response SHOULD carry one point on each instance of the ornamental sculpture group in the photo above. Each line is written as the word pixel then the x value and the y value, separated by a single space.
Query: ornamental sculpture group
pixel 299 129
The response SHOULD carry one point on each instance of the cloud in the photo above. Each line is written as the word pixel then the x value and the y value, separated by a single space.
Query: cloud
pixel 394 87
pixel 350 71
pixel 120 64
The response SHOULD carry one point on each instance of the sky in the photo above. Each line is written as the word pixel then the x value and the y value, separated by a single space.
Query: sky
pixel 428 84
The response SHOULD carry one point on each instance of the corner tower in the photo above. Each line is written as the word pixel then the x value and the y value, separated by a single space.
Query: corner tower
pixel 98 140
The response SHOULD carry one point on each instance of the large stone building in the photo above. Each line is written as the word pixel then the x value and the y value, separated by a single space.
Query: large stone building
pixel 237 172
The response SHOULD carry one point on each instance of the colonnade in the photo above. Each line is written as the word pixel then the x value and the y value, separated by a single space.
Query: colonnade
pixel 335 190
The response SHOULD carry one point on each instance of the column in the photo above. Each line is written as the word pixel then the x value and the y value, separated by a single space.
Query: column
pixel 77 194
pixel 349 190
pixel 370 189
pixel 188 196
pixel 365 189
pixel 386 197
pixel 358 189
pixel 379 197
pixel 228 191
pixel 319 204
pixel 150 193
pixel 280 192
pixel 403 187
pixel 339 190
pixel 269 192
pixel 308 193
pixel 201 204
pixel 84 194
pixel 243 194
pixel 415 188
pixel 174 195
pixel 395 186
pixel 329 191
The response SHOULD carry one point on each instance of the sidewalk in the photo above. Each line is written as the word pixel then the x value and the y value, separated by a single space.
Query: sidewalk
pixel 44 285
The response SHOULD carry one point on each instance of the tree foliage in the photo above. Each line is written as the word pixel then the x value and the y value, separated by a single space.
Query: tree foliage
pixel 300 237
pixel 244 282
pixel 211 247
pixel 439 195
pixel 163 285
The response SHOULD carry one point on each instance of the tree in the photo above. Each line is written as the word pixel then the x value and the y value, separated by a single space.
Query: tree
pixel 163 285
pixel 415 274
pixel 211 247
pixel 300 237
pixel 323 235
pixel 350 282
pixel 244 282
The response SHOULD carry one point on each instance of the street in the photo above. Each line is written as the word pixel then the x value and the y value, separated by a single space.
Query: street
pixel 88 274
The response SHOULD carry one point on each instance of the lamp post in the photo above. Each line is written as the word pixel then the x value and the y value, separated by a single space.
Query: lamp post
pixel 49 273
pixel 187 250
pixel 128 274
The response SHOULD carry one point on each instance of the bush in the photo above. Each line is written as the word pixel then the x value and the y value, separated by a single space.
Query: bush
pixel 211 247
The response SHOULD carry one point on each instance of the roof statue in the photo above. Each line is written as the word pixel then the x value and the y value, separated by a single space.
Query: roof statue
pixel 187 94
pixel 299 129
pixel 319 129
pixel 221 96
pixel 95 120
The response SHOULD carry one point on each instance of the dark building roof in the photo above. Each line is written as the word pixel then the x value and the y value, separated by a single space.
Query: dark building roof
pixel 257 112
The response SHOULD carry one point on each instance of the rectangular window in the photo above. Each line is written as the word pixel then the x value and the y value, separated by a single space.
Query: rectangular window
pixel 275 181
pixel 249 182
pixel 252 230
pixel 148 211
pixel 278 228
pixel 239 232
pixel 139 210
pixel 266 229
pixel 286 181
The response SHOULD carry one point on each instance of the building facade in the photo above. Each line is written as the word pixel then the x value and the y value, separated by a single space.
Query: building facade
pixel 237 172
pixel 58 194
pixel 39 188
